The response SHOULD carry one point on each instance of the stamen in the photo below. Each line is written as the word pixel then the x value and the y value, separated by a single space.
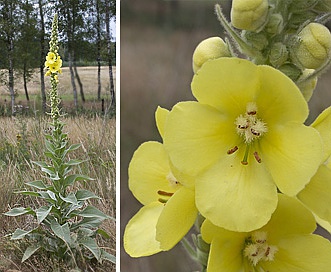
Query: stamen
pixel 232 150
pixel 163 201
pixel 163 193
pixel 254 132
pixel 244 161
pixel 257 157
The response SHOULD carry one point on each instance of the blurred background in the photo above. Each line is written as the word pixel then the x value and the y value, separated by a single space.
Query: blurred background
pixel 157 42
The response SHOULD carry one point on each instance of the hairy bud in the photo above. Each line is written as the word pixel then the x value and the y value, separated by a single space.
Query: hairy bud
pixel 313 47
pixel 249 14
pixel 211 48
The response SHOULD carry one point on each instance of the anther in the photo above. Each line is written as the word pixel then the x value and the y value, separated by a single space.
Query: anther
pixel 243 126
pixel 257 157
pixel 254 132
pixel 163 201
pixel 232 150
pixel 251 112
pixel 163 193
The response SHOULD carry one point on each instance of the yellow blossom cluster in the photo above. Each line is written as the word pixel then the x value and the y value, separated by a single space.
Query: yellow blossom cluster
pixel 53 63
pixel 240 160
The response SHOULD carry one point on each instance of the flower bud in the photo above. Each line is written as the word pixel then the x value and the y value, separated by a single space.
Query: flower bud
pixel 211 48
pixel 307 86
pixel 249 14
pixel 257 40
pixel 275 24
pixel 278 54
pixel 313 48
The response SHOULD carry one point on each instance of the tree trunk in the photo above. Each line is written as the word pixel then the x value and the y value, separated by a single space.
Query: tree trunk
pixel 25 82
pixel 111 79
pixel 99 48
pixel 11 75
pixel 72 76
pixel 42 56
pixel 81 90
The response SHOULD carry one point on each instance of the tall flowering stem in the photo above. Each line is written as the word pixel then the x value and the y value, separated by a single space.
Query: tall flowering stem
pixel 54 63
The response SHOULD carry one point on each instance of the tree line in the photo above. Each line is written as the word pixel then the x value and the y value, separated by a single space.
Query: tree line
pixel 85 35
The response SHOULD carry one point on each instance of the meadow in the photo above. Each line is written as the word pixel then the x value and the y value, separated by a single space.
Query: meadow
pixel 22 141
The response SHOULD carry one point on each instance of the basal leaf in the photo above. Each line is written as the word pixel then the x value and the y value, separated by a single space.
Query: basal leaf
pixel 19 234
pixel 29 251
pixel 92 246
pixel 19 211
pixel 42 213
pixel 107 256
pixel 63 232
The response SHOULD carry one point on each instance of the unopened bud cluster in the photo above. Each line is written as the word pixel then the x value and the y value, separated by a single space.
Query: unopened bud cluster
pixel 54 63
pixel 287 34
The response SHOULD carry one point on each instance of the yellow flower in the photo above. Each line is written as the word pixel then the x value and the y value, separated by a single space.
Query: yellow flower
pixel 211 48
pixel 242 140
pixel 249 14
pixel 314 46
pixel 316 195
pixel 51 58
pixel 169 210
pixel 286 243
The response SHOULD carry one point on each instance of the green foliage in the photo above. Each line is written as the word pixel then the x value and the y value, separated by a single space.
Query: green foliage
pixel 66 225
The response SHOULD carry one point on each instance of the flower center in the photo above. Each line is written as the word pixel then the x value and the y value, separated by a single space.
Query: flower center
pixel 174 183
pixel 250 128
pixel 257 248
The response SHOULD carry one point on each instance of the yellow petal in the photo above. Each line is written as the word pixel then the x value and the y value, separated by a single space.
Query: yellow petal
pixel 323 125
pixel 160 117
pixel 316 194
pixel 227 84
pixel 139 235
pixel 176 219
pixel 292 153
pixel 278 99
pixel 291 217
pixel 301 254
pixel 234 196
pixel 148 171
pixel 225 256
pixel 196 136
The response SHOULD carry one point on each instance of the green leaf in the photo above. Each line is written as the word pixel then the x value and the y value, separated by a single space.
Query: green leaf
pixel 82 195
pixel 29 251
pixel 19 234
pixel 92 246
pixel 30 193
pixel 72 148
pixel 50 147
pixel 88 222
pixel 103 233
pixel 71 198
pixel 42 213
pixel 73 162
pixel 19 211
pixel 40 163
pixel 91 211
pixel 46 196
pixel 63 232
pixel 107 256
pixel 37 184
pixel 70 180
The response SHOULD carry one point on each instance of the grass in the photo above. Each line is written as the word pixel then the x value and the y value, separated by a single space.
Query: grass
pixel 22 141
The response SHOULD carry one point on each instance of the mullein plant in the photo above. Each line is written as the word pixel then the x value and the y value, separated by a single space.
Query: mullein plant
pixel 240 160
pixel 66 225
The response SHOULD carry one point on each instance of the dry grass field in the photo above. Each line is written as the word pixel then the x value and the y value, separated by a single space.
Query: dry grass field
pixel 88 76
pixel 98 146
